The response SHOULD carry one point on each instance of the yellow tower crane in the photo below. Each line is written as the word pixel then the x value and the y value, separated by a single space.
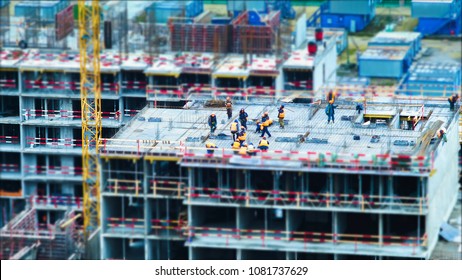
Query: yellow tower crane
pixel 90 96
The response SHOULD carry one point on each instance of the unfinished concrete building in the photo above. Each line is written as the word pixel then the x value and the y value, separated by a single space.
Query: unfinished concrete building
pixel 366 187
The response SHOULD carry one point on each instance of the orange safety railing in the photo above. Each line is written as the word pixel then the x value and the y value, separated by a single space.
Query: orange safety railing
pixel 167 187
pixel 124 186
pixel 168 227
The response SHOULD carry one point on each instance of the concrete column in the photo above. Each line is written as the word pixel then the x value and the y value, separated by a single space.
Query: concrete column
pixel 335 227
pixel 238 254
pixel 381 230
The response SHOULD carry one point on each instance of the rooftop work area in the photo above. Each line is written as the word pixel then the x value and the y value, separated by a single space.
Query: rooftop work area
pixel 237 130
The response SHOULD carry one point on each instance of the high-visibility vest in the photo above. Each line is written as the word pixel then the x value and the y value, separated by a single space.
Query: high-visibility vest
pixel 268 122
pixel 242 137
pixel 263 143
pixel 234 127
pixel 243 150
pixel 229 105
pixel 210 145
pixel 282 114
pixel 236 145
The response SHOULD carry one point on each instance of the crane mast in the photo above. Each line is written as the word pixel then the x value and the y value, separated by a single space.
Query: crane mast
pixel 90 96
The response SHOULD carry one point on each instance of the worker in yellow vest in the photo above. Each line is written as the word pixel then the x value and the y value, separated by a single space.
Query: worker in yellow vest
pixel 243 149
pixel 263 144
pixel 242 136
pixel 210 148
pixel 265 122
pixel 281 116
pixel 234 128
pixel 452 101
pixel 236 146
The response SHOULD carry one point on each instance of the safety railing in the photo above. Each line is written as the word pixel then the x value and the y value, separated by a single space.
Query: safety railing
pixel 167 188
pixel 133 86
pixel 34 142
pixel 305 238
pixel 9 168
pixel 124 186
pixel 8 84
pixel 125 225
pixel 52 170
pixel 9 139
pixel 65 85
pixel 154 92
pixel 300 160
pixel 171 228
pixel 299 199
pixel 64 114
pixel 130 112
pixel 55 201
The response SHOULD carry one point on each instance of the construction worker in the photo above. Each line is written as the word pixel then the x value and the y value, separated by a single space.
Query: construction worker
pixel 359 108
pixel 229 107
pixel 330 112
pixel 258 129
pixel 234 128
pixel 452 101
pixel 265 122
pixel 243 118
pixel 236 146
pixel 212 123
pixel 242 136
pixel 263 144
pixel 251 150
pixel 243 149
pixel 281 115
pixel 210 148
pixel 442 135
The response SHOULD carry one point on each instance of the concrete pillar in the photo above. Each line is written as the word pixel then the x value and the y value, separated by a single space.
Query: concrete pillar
pixel 381 230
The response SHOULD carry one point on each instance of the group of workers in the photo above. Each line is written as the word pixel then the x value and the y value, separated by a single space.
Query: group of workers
pixel 238 128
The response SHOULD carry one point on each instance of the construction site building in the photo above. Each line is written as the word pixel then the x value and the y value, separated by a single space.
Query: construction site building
pixel 366 187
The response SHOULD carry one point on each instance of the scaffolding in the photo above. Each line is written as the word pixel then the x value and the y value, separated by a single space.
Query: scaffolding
pixel 50 242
